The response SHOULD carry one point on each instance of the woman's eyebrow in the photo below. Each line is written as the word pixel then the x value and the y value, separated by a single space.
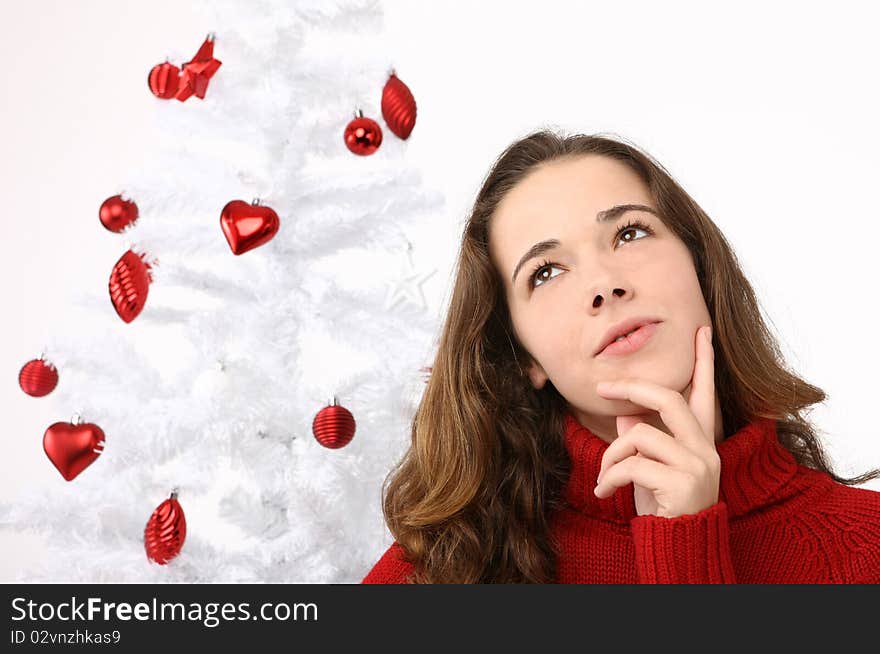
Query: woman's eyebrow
pixel 604 216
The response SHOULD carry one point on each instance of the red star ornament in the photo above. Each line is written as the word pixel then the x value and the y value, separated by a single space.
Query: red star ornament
pixel 198 72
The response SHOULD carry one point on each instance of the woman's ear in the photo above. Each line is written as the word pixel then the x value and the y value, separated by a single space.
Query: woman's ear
pixel 537 375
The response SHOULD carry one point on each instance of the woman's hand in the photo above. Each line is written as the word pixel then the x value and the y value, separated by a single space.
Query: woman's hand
pixel 672 475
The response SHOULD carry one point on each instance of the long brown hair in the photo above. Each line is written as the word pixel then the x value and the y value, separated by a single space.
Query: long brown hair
pixel 471 499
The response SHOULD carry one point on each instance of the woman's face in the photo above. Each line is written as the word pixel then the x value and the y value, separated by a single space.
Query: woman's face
pixel 561 313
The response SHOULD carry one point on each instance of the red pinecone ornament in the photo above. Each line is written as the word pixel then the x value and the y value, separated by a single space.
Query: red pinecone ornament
pixel 165 531
pixel 334 426
pixel 38 378
pixel 129 284
pixel 398 107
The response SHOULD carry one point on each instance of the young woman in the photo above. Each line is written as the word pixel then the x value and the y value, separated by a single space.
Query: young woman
pixel 583 263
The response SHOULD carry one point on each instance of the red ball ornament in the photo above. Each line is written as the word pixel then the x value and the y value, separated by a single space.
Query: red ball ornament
pixel 164 80
pixel 247 226
pixel 165 531
pixel 398 107
pixel 116 213
pixel 38 377
pixel 73 447
pixel 129 284
pixel 334 426
pixel 363 136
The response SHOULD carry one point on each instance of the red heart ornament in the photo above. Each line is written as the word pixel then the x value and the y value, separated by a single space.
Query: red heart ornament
pixel 73 448
pixel 247 226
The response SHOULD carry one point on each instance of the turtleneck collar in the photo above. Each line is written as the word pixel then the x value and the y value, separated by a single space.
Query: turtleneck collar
pixel 754 468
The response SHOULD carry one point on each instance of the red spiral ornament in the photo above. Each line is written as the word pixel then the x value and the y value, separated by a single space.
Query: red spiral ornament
pixel 334 426
pixel 165 531
pixel 398 107
pixel 129 283
pixel 38 378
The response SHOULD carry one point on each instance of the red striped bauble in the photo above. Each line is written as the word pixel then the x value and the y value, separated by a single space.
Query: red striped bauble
pixel 129 283
pixel 164 80
pixel 38 378
pixel 334 426
pixel 165 531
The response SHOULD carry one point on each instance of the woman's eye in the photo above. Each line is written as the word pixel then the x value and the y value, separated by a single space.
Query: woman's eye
pixel 535 277
pixel 632 228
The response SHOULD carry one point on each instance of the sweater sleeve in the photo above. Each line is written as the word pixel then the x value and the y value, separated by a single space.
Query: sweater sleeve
pixel 390 569
pixel 687 549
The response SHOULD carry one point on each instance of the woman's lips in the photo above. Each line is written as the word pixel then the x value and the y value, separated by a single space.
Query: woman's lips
pixel 630 343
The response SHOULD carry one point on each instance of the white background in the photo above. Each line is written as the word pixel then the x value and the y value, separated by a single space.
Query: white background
pixel 766 113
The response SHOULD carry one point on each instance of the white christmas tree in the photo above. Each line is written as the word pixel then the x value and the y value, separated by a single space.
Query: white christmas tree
pixel 213 388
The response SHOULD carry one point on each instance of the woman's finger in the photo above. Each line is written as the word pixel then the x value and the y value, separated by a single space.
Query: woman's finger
pixel 648 441
pixel 671 405
pixel 639 470
pixel 702 396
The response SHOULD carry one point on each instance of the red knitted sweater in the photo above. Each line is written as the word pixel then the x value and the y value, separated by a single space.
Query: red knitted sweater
pixel 775 522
